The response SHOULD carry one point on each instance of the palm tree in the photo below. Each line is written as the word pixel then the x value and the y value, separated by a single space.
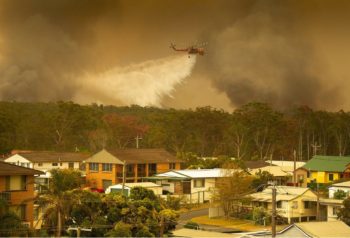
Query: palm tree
pixel 56 199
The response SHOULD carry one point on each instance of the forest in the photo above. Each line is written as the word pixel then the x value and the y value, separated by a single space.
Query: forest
pixel 254 131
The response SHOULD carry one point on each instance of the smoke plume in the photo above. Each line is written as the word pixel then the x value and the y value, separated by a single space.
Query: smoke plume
pixel 281 52
pixel 144 84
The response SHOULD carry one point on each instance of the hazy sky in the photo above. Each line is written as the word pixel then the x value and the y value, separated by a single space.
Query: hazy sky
pixel 117 52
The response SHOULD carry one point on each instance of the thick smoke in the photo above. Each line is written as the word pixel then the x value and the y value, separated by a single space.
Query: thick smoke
pixel 261 58
pixel 144 84
pixel 281 52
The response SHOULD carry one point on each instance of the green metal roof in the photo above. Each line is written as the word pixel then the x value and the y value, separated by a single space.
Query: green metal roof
pixel 327 163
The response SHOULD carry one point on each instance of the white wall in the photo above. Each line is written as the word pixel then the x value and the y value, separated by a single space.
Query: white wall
pixel 332 190
pixel 49 166
pixel 19 160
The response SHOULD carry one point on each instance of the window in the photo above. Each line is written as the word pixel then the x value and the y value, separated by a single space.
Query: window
pixel 198 183
pixel 279 204
pixel 306 204
pixel 308 174
pixel 130 170
pixel 71 165
pixel 330 177
pixel 152 169
pixel 107 167
pixel 40 164
pixel 54 164
pixel 141 170
pixel 106 183
pixel 172 166
pixel 61 164
pixel 17 182
pixel 93 166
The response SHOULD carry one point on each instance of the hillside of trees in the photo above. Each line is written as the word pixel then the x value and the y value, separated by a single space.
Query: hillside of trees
pixel 252 131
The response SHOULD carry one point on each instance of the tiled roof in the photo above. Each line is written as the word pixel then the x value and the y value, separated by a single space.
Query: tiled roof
pixel 11 169
pixel 327 163
pixel 133 156
pixel 141 156
pixel 51 156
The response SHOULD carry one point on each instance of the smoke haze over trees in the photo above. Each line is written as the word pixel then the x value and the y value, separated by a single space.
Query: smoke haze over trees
pixel 252 131
pixel 285 53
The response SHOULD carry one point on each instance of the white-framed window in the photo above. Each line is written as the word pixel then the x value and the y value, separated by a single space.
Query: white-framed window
pixel 54 164
pixel 199 183
pixel 93 166
pixel 172 166
pixel 107 167
pixel 40 164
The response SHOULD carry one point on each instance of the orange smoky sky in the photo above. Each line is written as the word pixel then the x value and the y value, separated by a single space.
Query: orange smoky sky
pixel 286 53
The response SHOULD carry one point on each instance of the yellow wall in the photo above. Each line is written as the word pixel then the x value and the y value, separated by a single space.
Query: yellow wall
pixel 322 177
pixel 94 178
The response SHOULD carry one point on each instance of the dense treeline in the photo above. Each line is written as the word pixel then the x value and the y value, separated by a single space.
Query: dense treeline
pixel 253 131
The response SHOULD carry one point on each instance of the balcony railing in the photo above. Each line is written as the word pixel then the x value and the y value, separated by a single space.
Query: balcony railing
pixel 5 196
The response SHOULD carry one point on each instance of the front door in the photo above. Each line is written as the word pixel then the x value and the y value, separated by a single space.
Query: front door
pixel 186 187
pixel 106 183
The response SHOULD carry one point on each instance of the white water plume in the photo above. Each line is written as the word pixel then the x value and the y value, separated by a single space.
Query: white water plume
pixel 144 84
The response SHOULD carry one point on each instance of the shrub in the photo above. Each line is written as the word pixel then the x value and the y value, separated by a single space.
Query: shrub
pixel 192 225
pixel 260 216
pixel 173 202
pixel 143 232
pixel 340 194
pixel 120 230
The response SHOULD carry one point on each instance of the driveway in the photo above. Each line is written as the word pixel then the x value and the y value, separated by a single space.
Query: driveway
pixel 185 217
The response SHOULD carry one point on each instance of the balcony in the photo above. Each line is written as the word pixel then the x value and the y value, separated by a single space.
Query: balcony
pixel 5 196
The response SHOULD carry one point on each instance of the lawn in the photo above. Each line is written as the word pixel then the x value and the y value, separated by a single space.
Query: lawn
pixel 237 224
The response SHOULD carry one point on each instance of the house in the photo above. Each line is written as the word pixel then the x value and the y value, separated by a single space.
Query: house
pixel 343 186
pixel 330 206
pixel 47 160
pixel 280 176
pixel 294 204
pixel 196 185
pixel 106 167
pixel 324 170
pixel 286 165
pixel 156 188
pixel 310 230
pixel 17 188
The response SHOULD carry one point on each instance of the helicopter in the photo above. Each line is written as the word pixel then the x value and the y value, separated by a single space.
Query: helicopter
pixel 191 50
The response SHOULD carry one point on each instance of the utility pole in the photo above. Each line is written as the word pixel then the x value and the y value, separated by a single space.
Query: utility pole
pixel 137 138
pixel 123 186
pixel 273 220
pixel 315 147
pixel 295 167
pixel 318 203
